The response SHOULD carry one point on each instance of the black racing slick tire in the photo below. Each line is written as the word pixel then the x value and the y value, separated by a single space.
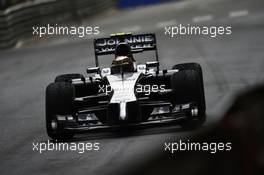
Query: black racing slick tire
pixel 196 67
pixel 189 66
pixel 187 86
pixel 68 77
pixel 58 102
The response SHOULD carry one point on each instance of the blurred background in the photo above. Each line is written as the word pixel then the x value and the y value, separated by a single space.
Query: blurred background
pixel 17 17
pixel 233 77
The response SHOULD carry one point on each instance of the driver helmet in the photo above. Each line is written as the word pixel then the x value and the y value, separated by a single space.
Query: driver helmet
pixel 123 56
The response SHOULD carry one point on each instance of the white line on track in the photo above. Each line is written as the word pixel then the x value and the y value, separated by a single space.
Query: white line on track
pixel 166 23
pixel 203 18
pixel 181 4
pixel 131 29
pixel 234 14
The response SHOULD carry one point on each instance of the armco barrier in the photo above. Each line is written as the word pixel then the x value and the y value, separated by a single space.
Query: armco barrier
pixel 16 22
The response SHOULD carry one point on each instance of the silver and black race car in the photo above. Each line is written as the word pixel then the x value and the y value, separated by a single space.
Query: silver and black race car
pixel 126 93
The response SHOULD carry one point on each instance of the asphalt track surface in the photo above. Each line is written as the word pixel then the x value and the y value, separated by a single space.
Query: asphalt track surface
pixel 230 64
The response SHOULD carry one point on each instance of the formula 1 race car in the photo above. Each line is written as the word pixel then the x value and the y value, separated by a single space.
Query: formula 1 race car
pixel 126 93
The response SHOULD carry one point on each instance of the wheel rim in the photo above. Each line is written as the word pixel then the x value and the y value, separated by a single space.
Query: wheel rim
pixel 54 125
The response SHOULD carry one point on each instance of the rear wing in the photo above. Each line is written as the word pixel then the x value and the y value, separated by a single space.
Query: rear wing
pixel 138 43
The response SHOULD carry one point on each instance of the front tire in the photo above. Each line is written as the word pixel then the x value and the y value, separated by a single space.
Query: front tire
pixel 187 86
pixel 196 67
pixel 58 102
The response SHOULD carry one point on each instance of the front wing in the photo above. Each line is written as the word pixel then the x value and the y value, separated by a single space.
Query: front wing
pixel 162 115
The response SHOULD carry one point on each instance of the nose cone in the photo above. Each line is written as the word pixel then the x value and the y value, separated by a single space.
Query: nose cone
pixel 123 111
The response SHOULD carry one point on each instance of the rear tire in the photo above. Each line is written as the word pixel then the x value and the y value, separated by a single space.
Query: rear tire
pixel 58 102
pixel 68 77
pixel 187 86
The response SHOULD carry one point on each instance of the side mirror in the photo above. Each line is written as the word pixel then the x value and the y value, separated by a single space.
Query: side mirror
pixel 93 70
pixel 152 64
